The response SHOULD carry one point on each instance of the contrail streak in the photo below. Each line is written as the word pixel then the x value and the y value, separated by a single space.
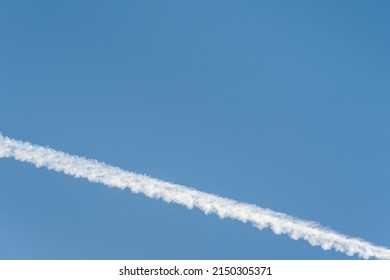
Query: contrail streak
pixel 99 172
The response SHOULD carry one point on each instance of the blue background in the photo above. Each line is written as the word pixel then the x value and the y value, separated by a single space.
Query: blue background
pixel 277 103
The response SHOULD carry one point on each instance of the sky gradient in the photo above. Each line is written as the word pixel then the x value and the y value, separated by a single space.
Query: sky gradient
pixel 277 104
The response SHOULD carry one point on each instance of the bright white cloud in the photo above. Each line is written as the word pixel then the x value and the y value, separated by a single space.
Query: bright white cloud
pixel 99 172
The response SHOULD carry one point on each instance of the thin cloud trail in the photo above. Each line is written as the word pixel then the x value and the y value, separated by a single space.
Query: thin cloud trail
pixel 279 223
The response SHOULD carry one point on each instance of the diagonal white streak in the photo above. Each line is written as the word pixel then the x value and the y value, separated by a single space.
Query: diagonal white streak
pixel 99 172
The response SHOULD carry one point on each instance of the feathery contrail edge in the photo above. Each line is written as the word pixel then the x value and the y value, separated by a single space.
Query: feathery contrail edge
pixel 279 223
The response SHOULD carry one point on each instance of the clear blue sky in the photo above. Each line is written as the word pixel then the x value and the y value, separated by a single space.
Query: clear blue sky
pixel 280 104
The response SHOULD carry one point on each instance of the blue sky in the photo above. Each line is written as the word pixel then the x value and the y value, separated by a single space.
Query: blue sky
pixel 284 105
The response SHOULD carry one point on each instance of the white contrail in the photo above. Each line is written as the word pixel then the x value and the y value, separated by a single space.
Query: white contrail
pixel 261 218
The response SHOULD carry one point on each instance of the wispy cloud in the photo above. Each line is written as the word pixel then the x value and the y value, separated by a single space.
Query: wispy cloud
pixel 261 218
